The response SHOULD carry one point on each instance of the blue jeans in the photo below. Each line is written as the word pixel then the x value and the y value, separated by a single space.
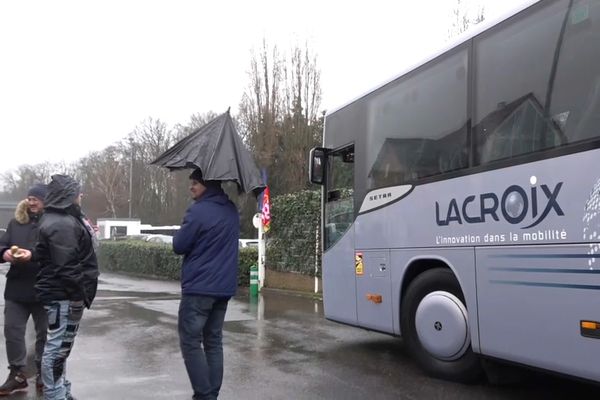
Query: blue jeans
pixel 63 322
pixel 201 339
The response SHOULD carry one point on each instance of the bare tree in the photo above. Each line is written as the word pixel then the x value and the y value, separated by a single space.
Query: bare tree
pixel 18 181
pixel 197 120
pixel 151 185
pixel 279 114
pixel 302 125
pixel 105 173
pixel 261 105
pixel 464 17
pixel 158 197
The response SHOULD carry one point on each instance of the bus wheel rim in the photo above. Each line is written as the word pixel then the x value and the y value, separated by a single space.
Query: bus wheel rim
pixel 441 322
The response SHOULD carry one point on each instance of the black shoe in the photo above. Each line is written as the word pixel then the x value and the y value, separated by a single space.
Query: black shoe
pixel 16 381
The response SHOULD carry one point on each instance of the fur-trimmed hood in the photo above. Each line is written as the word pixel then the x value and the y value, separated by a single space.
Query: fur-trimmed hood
pixel 22 231
pixel 21 214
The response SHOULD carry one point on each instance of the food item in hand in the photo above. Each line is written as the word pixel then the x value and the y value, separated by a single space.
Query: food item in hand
pixel 16 252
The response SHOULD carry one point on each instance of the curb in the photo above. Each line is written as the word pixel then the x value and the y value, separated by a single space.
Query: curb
pixel 298 293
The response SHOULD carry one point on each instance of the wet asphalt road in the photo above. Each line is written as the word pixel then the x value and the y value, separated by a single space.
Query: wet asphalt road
pixel 280 348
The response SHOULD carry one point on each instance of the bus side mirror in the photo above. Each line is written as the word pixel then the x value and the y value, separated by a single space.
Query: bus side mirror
pixel 316 169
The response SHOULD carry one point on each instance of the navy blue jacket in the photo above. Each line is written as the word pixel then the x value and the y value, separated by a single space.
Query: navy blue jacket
pixel 208 239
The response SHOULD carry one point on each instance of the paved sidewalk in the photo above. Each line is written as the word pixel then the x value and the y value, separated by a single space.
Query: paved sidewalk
pixel 278 348
pixel 127 347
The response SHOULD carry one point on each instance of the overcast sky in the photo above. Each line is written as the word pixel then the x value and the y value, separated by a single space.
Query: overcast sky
pixel 76 76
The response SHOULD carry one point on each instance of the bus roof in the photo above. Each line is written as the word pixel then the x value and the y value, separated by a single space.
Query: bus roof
pixel 457 41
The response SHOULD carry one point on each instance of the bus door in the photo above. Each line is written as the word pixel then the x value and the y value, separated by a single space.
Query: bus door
pixel 339 287
pixel 374 289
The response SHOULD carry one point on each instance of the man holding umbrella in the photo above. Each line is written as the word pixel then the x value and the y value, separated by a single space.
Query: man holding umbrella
pixel 208 240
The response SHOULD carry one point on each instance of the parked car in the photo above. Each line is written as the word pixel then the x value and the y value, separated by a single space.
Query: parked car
pixel 148 237
pixel 129 237
pixel 248 243
pixel 157 238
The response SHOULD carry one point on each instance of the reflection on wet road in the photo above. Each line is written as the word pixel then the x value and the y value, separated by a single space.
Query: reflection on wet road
pixel 279 347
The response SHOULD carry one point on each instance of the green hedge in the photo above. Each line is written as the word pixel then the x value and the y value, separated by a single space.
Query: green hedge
pixel 291 240
pixel 295 218
pixel 157 260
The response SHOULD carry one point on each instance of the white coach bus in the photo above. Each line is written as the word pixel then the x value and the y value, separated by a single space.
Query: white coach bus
pixel 461 200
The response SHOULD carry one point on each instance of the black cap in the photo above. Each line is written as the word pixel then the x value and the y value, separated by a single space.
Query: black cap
pixel 197 175
pixel 38 191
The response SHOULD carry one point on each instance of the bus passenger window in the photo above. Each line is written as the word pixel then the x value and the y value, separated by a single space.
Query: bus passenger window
pixel 418 125
pixel 576 95
pixel 537 87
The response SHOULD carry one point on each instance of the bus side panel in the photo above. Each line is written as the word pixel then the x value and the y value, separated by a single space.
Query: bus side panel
pixel 339 282
pixel 374 292
pixel 531 302
pixel 460 260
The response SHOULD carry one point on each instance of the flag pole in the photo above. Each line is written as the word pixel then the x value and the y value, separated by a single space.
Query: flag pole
pixel 261 255
pixel 264 225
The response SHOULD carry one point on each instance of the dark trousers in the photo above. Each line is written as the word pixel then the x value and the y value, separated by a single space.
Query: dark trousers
pixel 16 315
pixel 201 339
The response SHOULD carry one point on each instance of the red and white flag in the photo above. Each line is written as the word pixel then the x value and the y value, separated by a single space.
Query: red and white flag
pixel 266 210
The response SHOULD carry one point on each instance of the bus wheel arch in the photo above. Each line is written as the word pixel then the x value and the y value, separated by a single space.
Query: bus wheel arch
pixel 434 323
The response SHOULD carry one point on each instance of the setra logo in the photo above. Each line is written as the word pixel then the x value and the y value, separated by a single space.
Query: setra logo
pixel 514 206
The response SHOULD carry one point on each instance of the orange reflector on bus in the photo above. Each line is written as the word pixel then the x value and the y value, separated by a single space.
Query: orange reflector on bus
pixel 590 329
pixel 375 298
pixel 590 325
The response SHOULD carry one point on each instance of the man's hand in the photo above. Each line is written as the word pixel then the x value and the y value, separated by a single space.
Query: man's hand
pixel 7 257
pixel 24 255
pixel 21 256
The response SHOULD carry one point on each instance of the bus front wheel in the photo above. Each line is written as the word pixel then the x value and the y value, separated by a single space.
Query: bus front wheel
pixel 434 322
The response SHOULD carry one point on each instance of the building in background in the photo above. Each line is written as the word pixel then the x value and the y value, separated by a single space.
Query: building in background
pixel 110 228
pixel 7 212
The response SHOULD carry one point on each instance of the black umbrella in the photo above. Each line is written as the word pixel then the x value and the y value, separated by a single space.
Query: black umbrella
pixel 215 148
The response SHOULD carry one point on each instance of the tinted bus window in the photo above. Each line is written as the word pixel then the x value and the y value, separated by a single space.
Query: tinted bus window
pixel 417 127
pixel 575 100
pixel 530 75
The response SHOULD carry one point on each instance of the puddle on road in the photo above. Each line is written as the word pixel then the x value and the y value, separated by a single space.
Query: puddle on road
pixel 115 282
pixel 235 311
pixel 163 297
pixel 271 304
pixel 158 301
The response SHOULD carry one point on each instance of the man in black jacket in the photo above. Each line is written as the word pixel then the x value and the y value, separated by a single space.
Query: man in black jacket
pixel 67 280
pixel 20 301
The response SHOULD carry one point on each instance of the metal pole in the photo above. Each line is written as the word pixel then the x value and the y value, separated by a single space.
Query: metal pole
pixel 261 256
pixel 130 175
pixel 254 281
pixel 317 259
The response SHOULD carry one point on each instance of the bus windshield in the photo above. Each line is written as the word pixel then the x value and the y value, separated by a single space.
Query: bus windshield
pixel 339 203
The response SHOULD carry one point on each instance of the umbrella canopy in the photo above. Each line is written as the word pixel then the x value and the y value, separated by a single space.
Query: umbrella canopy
pixel 217 149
